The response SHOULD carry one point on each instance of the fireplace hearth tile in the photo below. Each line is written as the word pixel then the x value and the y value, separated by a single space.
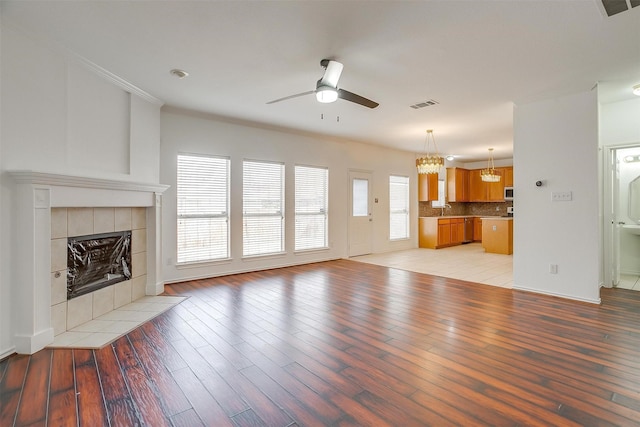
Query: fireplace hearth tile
pixel 107 328
pixel 79 310
pixel 122 293
pixel 96 339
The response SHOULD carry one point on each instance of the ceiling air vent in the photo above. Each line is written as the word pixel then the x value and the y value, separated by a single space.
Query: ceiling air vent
pixel 613 7
pixel 423 104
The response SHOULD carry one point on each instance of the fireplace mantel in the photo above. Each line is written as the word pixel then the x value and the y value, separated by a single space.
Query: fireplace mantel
pixel 34 194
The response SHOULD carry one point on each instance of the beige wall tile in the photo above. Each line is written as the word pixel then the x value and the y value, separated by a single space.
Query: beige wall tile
pixel 122 294
pixel 138 218
pixel 139 240
pixel 103 301
pixel 58 254
pixel 138 264
pixel 59 318
pixel 79 221
pixel 122 219
pixel 79 310
pixel 58 287
pixel 103 220
pixel 138 287
pixel 58 223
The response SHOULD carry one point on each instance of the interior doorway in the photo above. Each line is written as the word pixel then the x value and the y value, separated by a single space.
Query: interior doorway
pixel 621 217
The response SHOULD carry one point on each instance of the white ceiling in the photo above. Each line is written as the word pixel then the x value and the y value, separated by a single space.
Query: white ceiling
pixel 476 58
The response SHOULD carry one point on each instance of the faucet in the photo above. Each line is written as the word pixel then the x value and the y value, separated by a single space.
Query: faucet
pixel 446 205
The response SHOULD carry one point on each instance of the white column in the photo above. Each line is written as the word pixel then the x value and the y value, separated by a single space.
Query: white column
pixel 31 261
pixel 155 282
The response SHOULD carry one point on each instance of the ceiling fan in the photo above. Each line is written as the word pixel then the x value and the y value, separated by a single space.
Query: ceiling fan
pixel 327 87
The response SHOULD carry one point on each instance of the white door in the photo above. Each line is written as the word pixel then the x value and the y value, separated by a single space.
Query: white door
pixel 360 218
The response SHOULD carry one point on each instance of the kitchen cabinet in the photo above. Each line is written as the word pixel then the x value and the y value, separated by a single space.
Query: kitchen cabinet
pixel 477 229
pixel 444 232
pixel 497 235
pixel 480 191
pixel 427 187
pixel 436 232
pixel 457 185
pixel 508 176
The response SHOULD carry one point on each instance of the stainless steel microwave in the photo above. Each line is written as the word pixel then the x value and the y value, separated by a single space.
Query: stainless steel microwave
pixel 508 193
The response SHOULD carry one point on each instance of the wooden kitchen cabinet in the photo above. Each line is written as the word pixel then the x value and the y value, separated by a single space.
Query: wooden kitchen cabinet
pixel 435 232
pixel 477 229
pixel 480 191
pixel 508 176
pixel 457 185
pixel 497 235
pixel 427 187
pixel 444 232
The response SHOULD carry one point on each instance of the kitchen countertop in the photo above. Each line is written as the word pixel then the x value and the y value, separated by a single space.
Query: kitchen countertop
pixel 507 218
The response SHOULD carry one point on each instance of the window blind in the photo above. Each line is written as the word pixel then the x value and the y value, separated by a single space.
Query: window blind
pixel 311 203
pixel 203 208
pixel 263 208
pixel 398 207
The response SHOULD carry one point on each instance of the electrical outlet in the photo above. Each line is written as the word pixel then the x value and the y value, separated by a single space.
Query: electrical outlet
pixel 561 196
pixel 497 208
pixel 553 268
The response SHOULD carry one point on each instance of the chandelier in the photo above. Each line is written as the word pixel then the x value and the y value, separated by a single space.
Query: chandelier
pixel 429 163
pixel 489 174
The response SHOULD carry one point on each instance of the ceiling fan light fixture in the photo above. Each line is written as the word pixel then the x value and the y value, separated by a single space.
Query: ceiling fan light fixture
pixel 326 94
pixel 636 90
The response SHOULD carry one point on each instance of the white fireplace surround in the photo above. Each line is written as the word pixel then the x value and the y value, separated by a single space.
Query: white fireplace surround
pixel 34 194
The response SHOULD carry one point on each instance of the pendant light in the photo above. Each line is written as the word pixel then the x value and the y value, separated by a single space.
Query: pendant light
pixel 429 163
pixel 489 174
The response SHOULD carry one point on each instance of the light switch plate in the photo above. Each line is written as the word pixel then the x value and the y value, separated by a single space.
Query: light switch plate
pixel 561 196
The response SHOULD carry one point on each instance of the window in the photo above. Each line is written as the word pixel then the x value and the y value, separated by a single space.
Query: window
pixel 398 207
pixel 441 196
pixel 360 194
pixel 263 207
pixel 311 207
pixel 203 208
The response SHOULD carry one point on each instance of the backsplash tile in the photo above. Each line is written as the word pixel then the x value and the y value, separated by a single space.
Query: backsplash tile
pixel 466 208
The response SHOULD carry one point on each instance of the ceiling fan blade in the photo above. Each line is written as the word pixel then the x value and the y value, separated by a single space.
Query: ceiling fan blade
pixel 332 73
pixel 349 96
pixel 291 96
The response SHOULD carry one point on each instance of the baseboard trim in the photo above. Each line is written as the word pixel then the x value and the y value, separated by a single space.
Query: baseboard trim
pixel 29 344
pixel 556 294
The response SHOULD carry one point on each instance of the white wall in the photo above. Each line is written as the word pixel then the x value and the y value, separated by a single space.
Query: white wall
pixel 63 115
pixel 556 141
pixel 185 132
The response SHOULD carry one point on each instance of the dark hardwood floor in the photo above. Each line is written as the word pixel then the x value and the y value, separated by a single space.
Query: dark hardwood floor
pixel 345 343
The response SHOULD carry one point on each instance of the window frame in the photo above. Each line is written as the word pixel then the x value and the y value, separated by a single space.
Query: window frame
pixel 226 214
pixel 324 211
pixel 281 214
pixel 406 210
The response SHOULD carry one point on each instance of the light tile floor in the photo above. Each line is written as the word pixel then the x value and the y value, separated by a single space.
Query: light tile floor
pixel 107 328
pixel 629 281
pixel 464 262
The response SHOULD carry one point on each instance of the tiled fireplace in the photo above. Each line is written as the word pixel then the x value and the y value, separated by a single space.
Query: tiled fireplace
pixel 49 208
pixel 70 222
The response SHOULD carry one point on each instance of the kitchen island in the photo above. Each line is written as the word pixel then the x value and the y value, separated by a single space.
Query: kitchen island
pixel 497 235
